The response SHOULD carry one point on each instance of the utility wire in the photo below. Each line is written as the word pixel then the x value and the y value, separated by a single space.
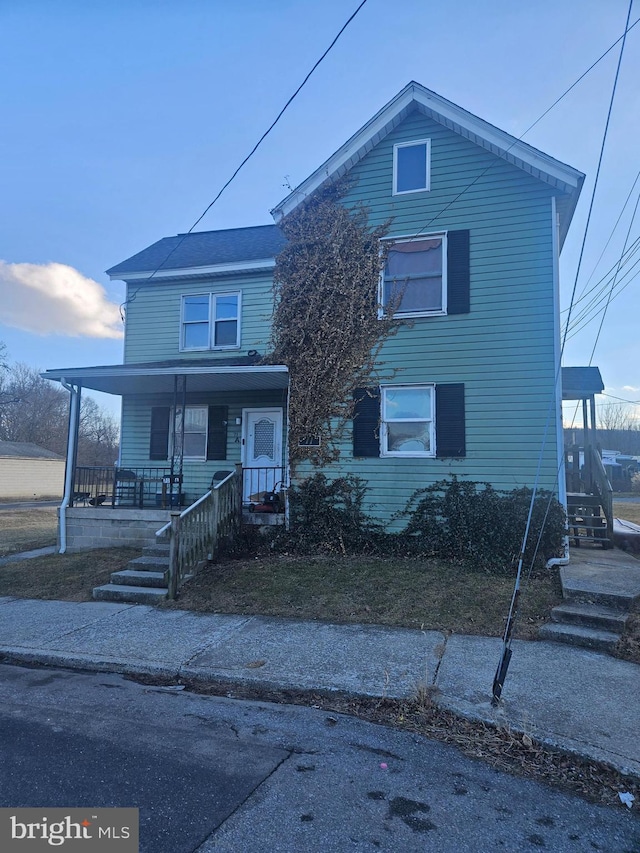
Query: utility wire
pixel 613 283
pixel 259 142
pixel 493 165
pixel 602 282
pixel 505 658
pixel 595 183
pixel 606 245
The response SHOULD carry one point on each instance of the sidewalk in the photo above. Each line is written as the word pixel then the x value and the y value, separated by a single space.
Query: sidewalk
pixel 578 700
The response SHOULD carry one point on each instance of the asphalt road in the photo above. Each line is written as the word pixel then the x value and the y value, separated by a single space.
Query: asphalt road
pixel 213 774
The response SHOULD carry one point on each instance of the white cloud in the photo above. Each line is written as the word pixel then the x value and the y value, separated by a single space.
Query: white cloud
pixel 56 299
pixel 630 388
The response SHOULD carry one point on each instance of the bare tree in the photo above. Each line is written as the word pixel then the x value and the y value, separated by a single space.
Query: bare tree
pixel 37 410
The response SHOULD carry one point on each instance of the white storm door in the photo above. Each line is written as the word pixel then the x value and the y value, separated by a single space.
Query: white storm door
pixel 261 452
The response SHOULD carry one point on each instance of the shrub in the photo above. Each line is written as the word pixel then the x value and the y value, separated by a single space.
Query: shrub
pixel 326 516
pixel 475 524
pixel 461 521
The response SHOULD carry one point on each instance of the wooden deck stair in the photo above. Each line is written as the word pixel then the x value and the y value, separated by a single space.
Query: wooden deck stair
pixel 587 520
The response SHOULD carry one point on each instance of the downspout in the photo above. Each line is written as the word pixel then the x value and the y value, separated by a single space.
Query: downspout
pixel 562 477
pixel 74 408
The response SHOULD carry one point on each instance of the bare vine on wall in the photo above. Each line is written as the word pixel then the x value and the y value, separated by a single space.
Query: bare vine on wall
pixel 326 327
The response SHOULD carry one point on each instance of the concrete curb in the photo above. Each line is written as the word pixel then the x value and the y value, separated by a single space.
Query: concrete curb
pixel 483 713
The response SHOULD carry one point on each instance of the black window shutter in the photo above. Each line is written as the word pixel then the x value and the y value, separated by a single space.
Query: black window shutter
pixel 458 301
pixel 217 437
pixel 450 425
pixel 366 422
pixel 159 436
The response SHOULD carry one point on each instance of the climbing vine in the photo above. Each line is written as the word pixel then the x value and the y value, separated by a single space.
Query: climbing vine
pixel 325 326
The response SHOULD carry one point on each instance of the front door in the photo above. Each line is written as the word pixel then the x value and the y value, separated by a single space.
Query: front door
pixel 261 452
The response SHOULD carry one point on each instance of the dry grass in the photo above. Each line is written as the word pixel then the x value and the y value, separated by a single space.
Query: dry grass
pixel 627 511
pixel 65 577
pixel 25 529
pixel 428 594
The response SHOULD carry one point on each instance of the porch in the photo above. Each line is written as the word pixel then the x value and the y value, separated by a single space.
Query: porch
pixel 589 492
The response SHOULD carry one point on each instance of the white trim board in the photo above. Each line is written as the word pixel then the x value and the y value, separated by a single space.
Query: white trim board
pixel 414 96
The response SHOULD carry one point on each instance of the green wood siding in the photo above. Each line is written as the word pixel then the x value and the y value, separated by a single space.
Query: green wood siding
pixel 503 349
pixel 136 425
pixel 152 331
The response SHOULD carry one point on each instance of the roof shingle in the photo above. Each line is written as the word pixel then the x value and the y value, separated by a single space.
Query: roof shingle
pixel 203 249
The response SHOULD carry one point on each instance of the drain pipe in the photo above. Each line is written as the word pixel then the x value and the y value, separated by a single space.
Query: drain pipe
pixel 71 452
pixel 560 561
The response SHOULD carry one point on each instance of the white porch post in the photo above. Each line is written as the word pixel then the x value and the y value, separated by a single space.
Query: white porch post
pixel 72 446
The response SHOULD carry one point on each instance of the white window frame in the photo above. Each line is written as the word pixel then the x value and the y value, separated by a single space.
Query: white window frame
pixel 413 142
pixel 410 238
pixel 186 458
pixel 211 320
pixel 384 451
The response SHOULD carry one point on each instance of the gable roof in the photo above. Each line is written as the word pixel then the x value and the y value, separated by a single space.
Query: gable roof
pixel 567 180
pixel 26 450
pixel 204 252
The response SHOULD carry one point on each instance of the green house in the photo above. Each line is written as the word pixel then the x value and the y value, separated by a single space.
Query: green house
pixel 478 219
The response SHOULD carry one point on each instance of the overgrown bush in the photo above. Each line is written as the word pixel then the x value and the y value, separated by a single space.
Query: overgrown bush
pixel 475 524
pixel 465 522
pixel 326 516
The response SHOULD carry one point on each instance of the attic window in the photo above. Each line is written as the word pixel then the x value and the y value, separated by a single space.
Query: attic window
pixel 411 166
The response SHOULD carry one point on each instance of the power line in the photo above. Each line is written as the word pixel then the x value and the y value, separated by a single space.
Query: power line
pixel 613 283
pixel 262 138
pixel 613 230
pixel 505 657
pixel 622 400
pixel 595 183
pixel 531 126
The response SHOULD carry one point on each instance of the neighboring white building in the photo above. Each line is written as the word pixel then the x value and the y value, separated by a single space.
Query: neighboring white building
pixel 29 472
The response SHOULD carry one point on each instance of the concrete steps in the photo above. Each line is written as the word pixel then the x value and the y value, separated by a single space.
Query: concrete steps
pixel 132 594
pixel 144 581
pixel 578 635
pixel 590 615
pixel 599 593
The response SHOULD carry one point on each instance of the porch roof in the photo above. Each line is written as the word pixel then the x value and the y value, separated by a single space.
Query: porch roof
pixel 580 383
pixel 158 377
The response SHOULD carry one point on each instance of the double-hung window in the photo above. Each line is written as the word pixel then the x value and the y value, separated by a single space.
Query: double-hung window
pixel 194 446
pixel 414 277
pixel 407 420
pixel 411 166
pixel 211 321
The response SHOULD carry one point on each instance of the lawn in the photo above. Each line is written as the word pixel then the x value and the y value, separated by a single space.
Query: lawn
pixel 627 511
pixel 427 594
pixel 66 577
pixel 25 529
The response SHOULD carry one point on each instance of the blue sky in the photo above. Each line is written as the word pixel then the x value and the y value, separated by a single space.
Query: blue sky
pixel 123 120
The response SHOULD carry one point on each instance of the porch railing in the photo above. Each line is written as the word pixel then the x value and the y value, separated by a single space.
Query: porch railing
pixel 196 532
pixel 259 484
pixel 125 487
pixel 601 484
